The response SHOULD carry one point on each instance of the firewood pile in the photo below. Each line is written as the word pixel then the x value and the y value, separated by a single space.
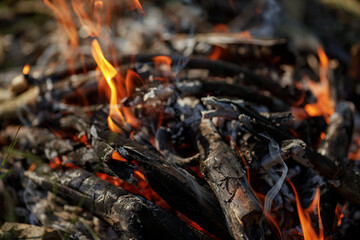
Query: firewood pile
pixel 181 120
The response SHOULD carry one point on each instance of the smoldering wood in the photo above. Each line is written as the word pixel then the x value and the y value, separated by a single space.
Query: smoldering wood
pixel 186 194
pixel 131 216
pixel 227 179
pixel 87 159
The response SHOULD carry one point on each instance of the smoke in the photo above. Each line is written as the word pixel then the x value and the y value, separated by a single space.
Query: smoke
pixel 274 152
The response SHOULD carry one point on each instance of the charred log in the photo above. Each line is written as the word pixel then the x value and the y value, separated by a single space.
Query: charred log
pixel 133 217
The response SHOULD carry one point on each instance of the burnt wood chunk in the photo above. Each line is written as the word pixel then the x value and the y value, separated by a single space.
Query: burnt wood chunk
pixel 227 179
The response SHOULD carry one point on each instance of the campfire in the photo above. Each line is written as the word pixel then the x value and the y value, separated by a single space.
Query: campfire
pixel 180 120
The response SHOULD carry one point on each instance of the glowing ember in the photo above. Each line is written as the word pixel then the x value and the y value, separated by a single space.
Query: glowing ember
pixel 26 69
pixel 55 163
pixel 109 73
pixel 221 28
pixel 216 53
pixel 325 104
pixel 304 216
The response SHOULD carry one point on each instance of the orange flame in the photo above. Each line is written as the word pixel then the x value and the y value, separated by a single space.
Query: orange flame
pixel 136 5
pixel 26 69
pixel 304 215
pixel 163 63
pixel 159 60
pixel 84 18
pixel 108 72
pixel 63 16
pixel 339 214
pixel 325 105
pixel 132 81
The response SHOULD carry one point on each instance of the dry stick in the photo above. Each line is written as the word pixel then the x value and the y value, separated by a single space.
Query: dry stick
pixel 227 179
pixel 131 216
pixel 9 108
pixel 335 146
pixel 175 185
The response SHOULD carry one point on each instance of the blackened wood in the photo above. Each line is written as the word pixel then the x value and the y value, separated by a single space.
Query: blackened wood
pixel 227 179
pixel 132 216
pixel 176 186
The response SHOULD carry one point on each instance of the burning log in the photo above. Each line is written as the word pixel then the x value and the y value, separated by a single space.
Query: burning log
pixel 131 216
pixel 186 194
pixel 227 179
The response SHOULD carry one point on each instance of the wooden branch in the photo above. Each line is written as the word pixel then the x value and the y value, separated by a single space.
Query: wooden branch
pixel 226 177
pixel 9 109
pixel 131 216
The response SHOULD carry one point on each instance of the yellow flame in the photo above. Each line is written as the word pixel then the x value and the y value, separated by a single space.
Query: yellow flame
pixel 108 72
